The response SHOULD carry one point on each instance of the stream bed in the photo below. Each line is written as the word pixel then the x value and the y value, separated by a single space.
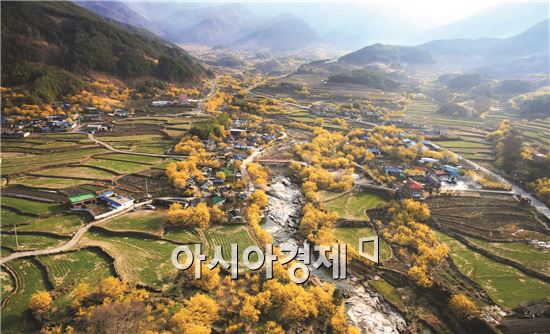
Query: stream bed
pixel 364 307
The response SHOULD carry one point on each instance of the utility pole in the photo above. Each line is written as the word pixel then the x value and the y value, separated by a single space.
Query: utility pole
pixel 146 188
pixel 16 238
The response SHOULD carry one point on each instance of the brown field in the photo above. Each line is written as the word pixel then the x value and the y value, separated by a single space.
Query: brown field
pixel 487 218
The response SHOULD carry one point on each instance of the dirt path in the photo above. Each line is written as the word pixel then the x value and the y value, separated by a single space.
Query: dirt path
pixel 111 148
pixel 69 244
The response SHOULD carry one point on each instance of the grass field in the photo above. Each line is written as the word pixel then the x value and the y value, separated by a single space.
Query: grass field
pixel 143 220
pixel 130 158
pixel 388 291
pixel 224 236
pixel 351 236
pixel 16 318
pixel 48 182
pixel 31 207
pixel 119 167
pixel 181 235
pixel 64 224
pixel 526 254
pixel 10 218
pixel 507 286
pixel 70 269
pixel 139 260
pixel 23 164
pixel 30 242
pixel 78 172
pixel 354 204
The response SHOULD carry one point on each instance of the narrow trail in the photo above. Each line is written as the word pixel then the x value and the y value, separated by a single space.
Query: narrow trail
pixel 112 149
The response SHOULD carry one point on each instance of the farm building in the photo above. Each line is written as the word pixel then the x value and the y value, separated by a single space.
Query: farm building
pixel 80 200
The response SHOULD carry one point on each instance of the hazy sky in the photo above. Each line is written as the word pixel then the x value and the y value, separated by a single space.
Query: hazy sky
pixel 438 12
pixel 423 13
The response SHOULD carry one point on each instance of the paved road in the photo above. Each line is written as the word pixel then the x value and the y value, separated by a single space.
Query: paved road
pixel 72 243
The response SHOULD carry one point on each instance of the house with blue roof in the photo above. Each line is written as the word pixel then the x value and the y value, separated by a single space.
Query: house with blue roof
pixel 393 170
pixel 375 150
pixel 451 170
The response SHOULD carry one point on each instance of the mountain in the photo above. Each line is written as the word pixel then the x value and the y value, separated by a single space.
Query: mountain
pixel 533 40
pixel 517 67
pixel 48 46
pixel 365 78
pixel 388 54
pixel 215 28
pixel 501 21
pixel 285 34
pixel 118 11
pixel 459 47
pixel 497 56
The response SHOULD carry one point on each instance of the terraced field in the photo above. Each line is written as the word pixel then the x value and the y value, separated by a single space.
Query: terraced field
pixel 150 143
pixel 48 182
pixel 31 207
pixel 498 219
pixel 139 260
pixel 534 258
pixel 181 235
pixel 119 167
pixel 506 285
pixel 24 164
pixel 145 221
pixel 16 318
pixel 10 218
pixel 67 270
pixel 64 224
pixel 30 241
pixel 227 235
pixel 353 205
pixel 78 172
pixel 130 158
pixel 351 236
pixel 424 113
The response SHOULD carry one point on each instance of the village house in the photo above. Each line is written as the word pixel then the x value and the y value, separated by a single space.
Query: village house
pixel 161 104
pixel 411 189
pixel 115 201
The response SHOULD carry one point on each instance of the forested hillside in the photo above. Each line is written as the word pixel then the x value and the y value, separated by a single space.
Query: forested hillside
pixel 47 46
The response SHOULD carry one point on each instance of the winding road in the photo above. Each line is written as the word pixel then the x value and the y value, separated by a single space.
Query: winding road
pixel 111 148
pixel 69 245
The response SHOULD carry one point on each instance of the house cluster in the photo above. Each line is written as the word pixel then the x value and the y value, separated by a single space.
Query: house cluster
pixel 330 110
pixel 219 186
pixel 322 109
pixel 418 179
pixel 100 206
pixel 182 101
pixel 24 127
